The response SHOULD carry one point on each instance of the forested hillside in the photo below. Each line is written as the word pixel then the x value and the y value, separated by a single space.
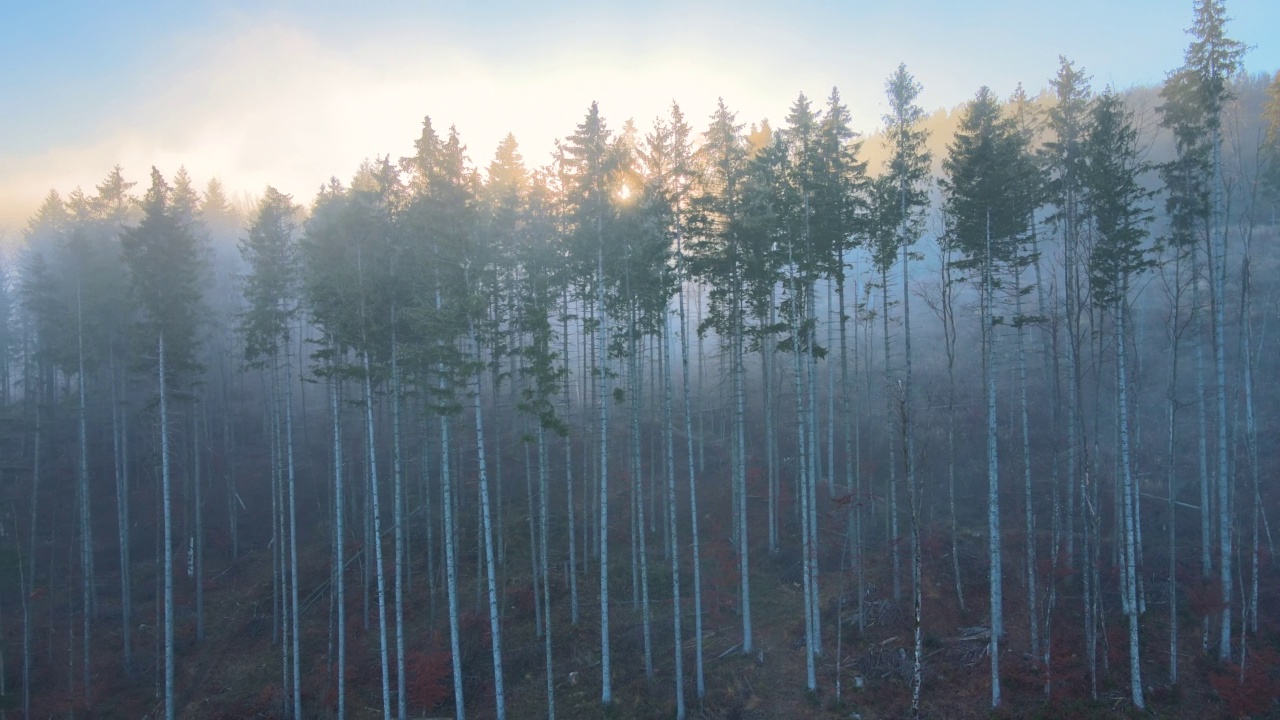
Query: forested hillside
pixel 711 418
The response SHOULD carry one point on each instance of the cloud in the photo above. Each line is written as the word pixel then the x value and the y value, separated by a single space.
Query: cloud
pixel 272 104
pixel 269 98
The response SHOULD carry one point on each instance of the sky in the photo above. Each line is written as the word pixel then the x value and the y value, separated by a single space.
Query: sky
pixel 290 93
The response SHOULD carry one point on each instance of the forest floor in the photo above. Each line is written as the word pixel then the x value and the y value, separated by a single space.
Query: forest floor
pixel 236 671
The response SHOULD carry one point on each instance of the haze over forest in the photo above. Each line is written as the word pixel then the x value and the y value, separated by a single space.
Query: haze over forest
pixel 359 365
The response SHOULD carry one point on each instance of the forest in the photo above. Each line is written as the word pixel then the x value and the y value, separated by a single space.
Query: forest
pixel 652 430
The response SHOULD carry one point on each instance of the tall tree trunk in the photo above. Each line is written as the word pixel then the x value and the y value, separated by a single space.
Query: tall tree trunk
pixel 672 526
pixel 280 540
pixel 398 518
pixel 637 496
pixel 913 497
pixel 27 640
pixel 1029 544
pixel 450 538
pixel 812 486
pixel 1217 256
pixel 1249 611
pixel 170 700
pixel 896 552
pixel 947 308
pixel 1175 336
pixel 1202 444
pixel 86 526
pixel 993 472
pixel 700 678
pixel 375 511
pixel 606 682
pixel 542 562
pixel 121 467
pixel 1130 507
pixel 802 482
pixel 568 466
pixel 198 509
pixel 339 537
pixel 495 627
pixel 740 470
pixel 767 351
pixel 295 613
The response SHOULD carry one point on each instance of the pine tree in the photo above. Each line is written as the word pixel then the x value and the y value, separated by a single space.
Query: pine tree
pixel 1117 205
pixel 163 260
pixel 1210 61
pixel 270 289
pixel 667 159
pixel 908 168
pixel 985 194
pixel 591 160
pixel 718 260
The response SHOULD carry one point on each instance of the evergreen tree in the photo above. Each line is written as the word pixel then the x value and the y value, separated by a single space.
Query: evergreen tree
pixel 718 259
pixel 592 161
pixel 1117 205
pixel 164 265
pixel 907 169
pixel 270 289
pixel 1211 60
pixel 985 194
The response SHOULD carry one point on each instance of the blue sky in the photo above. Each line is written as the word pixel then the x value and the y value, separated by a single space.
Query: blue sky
pixel 289 93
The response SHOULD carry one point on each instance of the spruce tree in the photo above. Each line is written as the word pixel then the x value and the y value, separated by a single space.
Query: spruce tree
pixel 164 265
pixel 985 194
pixel 1117 206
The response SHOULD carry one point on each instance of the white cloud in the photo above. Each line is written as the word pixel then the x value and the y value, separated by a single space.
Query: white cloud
pixel 273 105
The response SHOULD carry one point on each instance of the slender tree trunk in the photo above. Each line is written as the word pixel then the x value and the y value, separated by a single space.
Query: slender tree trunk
pixel 1175 335
pixel 740 470
pixel 375 510
pixel 495 627
pixel 913 497
pixel 1130 508
pixel 812 486
pixel 803 481
pixel 27 640
pixel 993 472
pixel 947 306
pixel 1217 295
pixel 693 483
pixel 120 465
pixel 908 432
pixel 672 526
pixel 295 613
pixel 25 591
pixel 198 509
pixel 1028 498
pixel 606 683
pixel 1249 613
pixel 339 536
pixel 542 561
pixel 638 502
pixel 450 554
pixel 398 518
pixel 767 350
pixel 281 540
pixel 86 527
pixel 895 550
pixel 831 399
pixel 170 700
pixel 568 467
pixel 1202 445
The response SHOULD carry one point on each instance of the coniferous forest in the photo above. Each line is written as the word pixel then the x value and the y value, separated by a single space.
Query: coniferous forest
pixel 970 417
